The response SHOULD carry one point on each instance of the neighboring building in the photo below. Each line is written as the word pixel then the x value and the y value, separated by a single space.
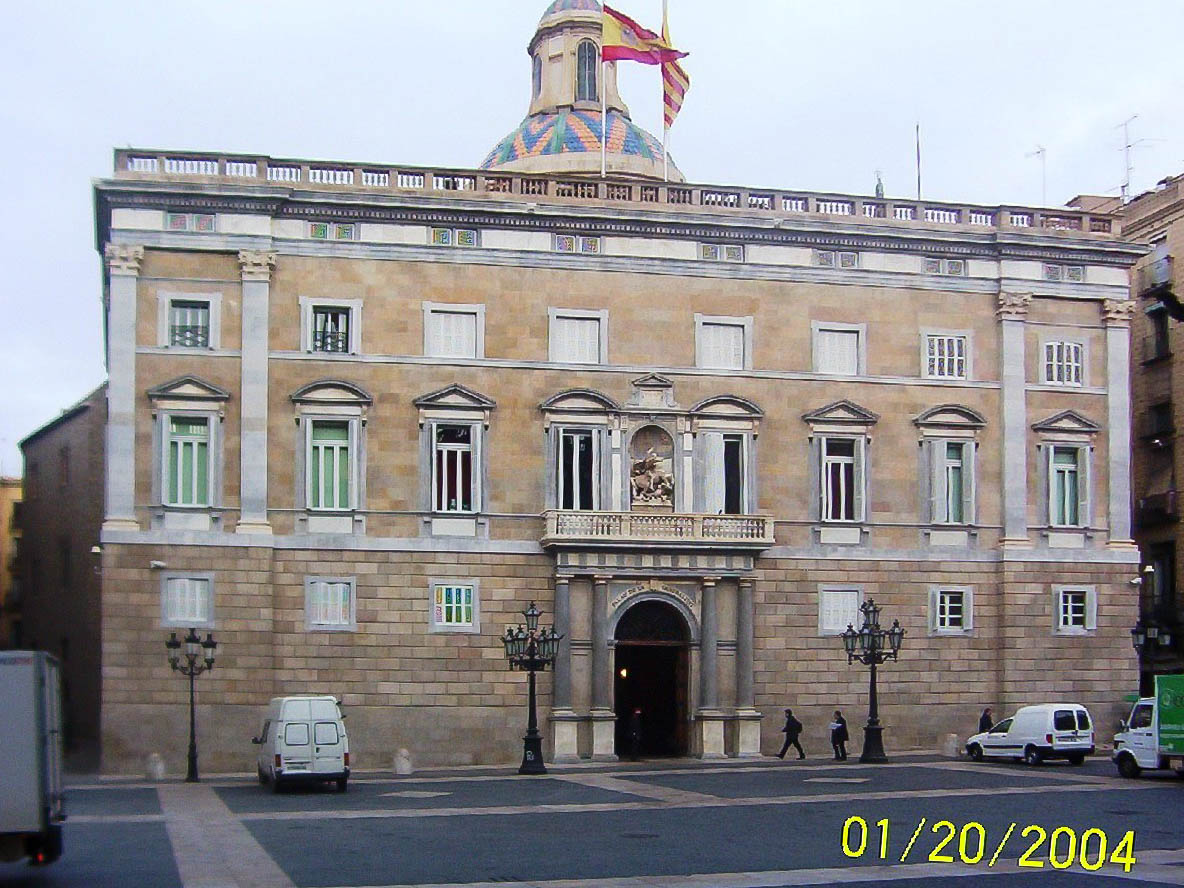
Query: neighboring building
pixel 10 593
pixel 1156 219
pixel 362 415
pixel 61 518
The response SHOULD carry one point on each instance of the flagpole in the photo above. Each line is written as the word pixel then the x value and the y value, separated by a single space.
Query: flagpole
pixel 603 120
pixel 665 125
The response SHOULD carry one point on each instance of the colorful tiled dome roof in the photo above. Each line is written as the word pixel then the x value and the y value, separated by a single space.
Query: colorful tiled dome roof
pixel 573 132
pixel 570 5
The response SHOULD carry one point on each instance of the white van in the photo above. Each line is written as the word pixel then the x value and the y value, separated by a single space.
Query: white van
pixel 303 739
pixel 1036 733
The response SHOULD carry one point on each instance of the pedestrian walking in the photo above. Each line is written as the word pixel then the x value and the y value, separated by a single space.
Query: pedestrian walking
pixel 634 732
pixel 839 736
pixel 792 731
pixel 985 722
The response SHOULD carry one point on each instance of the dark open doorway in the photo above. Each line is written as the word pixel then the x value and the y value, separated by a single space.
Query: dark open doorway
pixel 652 666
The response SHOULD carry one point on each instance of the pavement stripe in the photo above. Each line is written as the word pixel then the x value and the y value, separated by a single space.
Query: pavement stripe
pixel 824 876
pixel 637 788
pixel 211 846
pixel 115 818
pixel 704 802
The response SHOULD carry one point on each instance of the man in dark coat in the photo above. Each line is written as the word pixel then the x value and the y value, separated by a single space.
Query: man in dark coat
pixel 985 722
pixel 839 736
pixel 792 730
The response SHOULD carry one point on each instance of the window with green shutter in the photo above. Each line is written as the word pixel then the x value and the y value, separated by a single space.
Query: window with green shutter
pixel 329 484
pixel 188 471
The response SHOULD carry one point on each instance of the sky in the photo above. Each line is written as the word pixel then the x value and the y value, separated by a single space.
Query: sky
pixel 803 94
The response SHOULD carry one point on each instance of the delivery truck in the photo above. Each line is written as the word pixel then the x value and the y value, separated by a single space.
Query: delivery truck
pixel 31 802
pixel 1153 736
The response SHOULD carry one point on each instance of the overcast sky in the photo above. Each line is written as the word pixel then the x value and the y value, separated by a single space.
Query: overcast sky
pixel 805 94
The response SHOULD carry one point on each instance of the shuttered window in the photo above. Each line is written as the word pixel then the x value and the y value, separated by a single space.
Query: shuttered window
pixel 837 352
pixel 329 603
pixel 722 346
pixel 188 461
pixel 838 608
pixel 575 340
pixel 186 601
pixel 453 334
pixel 329 466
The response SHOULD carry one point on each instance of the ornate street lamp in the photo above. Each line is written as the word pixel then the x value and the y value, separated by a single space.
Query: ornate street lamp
pixel 531 649
pixel 872 646
pixel 1149 637
pixel 194 648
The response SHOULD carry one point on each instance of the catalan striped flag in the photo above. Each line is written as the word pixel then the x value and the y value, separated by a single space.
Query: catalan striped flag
pixel 675 80
pixel 625 39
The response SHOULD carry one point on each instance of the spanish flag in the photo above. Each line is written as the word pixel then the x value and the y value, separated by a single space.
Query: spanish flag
pixel 675 81
pixel 626 39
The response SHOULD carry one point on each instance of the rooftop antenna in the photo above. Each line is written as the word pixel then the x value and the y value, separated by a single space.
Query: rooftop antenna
pixel 1126 157
pixel 1041 153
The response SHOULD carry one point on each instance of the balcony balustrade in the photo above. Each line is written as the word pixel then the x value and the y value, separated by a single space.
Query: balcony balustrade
pixel 661 529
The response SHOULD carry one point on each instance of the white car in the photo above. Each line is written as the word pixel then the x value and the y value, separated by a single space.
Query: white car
pixel 1036 733
pixel 303 740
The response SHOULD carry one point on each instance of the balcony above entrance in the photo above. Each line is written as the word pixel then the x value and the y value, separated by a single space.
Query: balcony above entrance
pixel 664 530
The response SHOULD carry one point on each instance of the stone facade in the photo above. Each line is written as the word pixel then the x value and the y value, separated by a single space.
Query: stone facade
pixel 10 498
pixel 1156 219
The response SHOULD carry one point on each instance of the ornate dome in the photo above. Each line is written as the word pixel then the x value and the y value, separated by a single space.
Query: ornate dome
pixel 573 132
pixel 572 5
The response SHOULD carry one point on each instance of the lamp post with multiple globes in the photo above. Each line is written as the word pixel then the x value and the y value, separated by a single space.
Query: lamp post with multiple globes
pixel 872 646
pixel 194 648
pixel 531 649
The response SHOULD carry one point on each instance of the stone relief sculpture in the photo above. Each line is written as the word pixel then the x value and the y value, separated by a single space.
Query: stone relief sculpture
pixel 651 480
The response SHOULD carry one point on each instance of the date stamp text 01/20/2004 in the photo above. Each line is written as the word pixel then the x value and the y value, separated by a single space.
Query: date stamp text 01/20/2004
pixel 1061 849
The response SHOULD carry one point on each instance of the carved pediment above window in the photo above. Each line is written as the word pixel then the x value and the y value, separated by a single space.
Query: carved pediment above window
pixel 844 414
pixel 947 418
pixel 1068 424
pixel 726 412
pixel 332 391
pixel 652 391
pixel 187 391
pixel 588 405
pixel 455 402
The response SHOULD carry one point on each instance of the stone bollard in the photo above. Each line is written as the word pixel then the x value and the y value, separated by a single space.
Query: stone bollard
pixel 403 763
pixel 950 746
pixel 154 770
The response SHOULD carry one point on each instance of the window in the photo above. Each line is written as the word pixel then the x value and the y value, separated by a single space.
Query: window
pixel 1074 609
pixel 724 488
pixel 1066 491
pixel 536 76
pixel 454 331
pixel 189 324
pixel 453 468
pixel 454 237
pixel 842 496
pixel 837 349
pixel 454 606
pixel 346 231
pixel 570 243
pixel 330 481
pixel 329 603
pixel 330 329
pixel 187 463
pixel 587 60
pixel 1063 363
pixel 1141 717
pixel 950 610
pixel 578 337
pixel 837 609
pixel 296 734
pixel 952 492
pixel 187 601
pixel 1158 344
pixel 578 469
pixel 1074 274
pixel 945 356
pixel 723 343
pixel 1003 727
pixel 722 252
pixel 189 222
pixel 325 734
pixel 949 267
pixel 836 259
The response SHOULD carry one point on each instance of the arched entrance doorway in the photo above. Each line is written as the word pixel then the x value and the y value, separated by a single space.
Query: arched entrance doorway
pixel 653 675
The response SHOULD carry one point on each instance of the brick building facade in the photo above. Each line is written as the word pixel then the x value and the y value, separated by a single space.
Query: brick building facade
pixel 361 415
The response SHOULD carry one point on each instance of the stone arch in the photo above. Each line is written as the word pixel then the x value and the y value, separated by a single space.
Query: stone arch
pixel 656 595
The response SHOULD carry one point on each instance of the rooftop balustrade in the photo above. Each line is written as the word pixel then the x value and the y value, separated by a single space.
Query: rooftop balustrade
pixel 770 203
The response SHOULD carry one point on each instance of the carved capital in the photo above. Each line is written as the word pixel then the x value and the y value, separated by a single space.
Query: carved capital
pixel 256 264
pixel 1118 312
pixel 123 259
pixel 1013 306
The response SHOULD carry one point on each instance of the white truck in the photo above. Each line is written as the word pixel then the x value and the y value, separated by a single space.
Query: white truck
pixel 1152 737
pixel 31 800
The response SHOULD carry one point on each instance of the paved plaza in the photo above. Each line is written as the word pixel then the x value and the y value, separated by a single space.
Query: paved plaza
pixel 731 825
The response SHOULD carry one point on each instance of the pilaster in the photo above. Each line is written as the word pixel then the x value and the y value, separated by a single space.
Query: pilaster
pixel 748 717
pixel 1012 312
pixel 1116 314
pixel 603 718
pixel 256 267
pixel 123 268
pixel 710 720
pixel 564 722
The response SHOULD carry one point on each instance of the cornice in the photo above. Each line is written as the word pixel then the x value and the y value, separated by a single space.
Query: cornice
pixel 675 224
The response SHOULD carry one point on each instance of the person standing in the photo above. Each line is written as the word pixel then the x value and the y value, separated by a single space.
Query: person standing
pixel 792 731
pixel 985 722
pixel 839 736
